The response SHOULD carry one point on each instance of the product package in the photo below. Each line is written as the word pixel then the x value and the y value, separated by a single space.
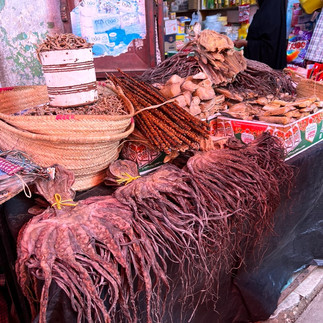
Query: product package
pixel 298 42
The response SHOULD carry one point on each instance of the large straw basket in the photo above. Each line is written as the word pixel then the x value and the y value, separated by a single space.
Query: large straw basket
pixel 306 87
pixel 84 144
pixel 23 96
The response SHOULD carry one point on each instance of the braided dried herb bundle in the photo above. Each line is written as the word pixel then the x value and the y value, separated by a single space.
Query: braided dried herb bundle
pixel 168 127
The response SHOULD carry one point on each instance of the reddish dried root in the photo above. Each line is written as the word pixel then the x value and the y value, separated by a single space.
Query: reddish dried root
pixel 93 253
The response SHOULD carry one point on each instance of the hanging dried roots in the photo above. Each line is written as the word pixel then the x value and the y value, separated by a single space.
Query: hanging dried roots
pixel 95 255
pixel 167 210
pixel 242 186
pixel 111 255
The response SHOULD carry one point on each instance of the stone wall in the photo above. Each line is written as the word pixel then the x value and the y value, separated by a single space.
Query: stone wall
pixel 23 25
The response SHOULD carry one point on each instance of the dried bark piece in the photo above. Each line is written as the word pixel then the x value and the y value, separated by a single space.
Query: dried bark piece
pixel 171 90
pixel 271 106
pixel 312 108
pixel 239 107
pixel 294 113
pixel 279 120
pixel 181 101
pixel 262 101
pixel 189 86
pixel 229 94
pixel 188 97
pixel 279 111
pixel 199 76
pixel 218 57
pixel 175 79
pixel 194 109
pixel 214 42
pixel 205 93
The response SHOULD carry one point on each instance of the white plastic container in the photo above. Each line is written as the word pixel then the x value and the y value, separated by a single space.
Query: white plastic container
pixel 70 77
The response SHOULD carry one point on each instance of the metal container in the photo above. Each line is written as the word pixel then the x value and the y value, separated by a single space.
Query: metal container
pixel 70 77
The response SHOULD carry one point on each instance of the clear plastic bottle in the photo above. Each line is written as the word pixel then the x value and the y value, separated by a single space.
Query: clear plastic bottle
pixel 165 9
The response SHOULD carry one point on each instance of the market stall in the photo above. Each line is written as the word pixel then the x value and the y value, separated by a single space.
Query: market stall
pixel 249 293
pixel 177 243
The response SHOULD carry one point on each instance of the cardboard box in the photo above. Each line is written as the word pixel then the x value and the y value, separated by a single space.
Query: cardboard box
pixel 180 41
pixel 297 136
pixel 146 159
pixel 170 43
pixel 170 26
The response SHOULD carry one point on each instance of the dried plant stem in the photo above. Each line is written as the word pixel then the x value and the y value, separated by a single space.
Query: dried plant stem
pixel 168 127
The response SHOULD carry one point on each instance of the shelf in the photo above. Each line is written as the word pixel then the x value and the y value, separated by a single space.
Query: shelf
pixel 184 11
pixel 214 9
pixel 227 8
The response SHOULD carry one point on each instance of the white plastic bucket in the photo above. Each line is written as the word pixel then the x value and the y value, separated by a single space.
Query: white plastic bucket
pixel 70 77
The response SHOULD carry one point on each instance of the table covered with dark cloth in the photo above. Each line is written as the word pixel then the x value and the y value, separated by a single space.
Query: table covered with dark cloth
pixel 248 293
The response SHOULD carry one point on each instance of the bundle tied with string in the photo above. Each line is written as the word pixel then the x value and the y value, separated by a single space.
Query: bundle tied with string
pixel 167 126
pixel 84 144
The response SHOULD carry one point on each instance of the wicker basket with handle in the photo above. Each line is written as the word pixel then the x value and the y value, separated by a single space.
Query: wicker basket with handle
pixel 306 87
pixel 84 144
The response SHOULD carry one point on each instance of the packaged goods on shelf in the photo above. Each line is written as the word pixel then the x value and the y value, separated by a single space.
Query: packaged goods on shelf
pixel 170 43
pixel 170 26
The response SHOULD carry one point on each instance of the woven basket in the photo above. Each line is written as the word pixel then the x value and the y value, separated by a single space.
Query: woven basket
pixel 84 144
pixel 306 87
pixel 22 97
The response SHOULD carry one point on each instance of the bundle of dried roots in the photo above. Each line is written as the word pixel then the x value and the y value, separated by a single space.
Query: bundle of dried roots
pixel 165 124
pixel 167 210
pixel 111 253
pixel 94 253
pixel 242 187
pixel 259 79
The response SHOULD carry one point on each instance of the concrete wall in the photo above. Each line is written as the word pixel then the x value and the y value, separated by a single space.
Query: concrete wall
pixel 23 25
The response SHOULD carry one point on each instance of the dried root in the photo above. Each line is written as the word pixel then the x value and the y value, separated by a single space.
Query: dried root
pixel 94 253
pixel 110 253
pixel 243 187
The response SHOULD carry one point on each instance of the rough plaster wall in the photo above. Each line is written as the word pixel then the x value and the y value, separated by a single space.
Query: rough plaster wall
pixel 23 24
